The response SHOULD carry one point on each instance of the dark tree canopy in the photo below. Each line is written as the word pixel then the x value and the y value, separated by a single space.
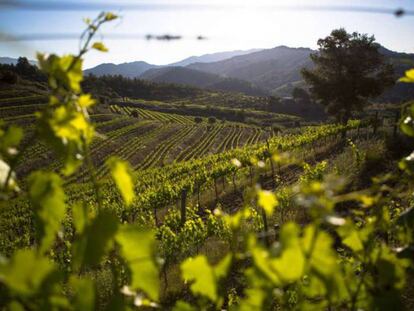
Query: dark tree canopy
pixel 349 69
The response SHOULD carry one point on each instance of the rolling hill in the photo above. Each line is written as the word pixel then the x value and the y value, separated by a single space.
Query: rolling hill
pixel 268 69
pixel 129 70
pixel 214 57
pixel 187 76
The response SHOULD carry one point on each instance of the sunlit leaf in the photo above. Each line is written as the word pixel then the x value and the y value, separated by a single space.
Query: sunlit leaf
pixel 120 172
pixel 290 265
pixel 110 16
pixel 26 272
pixel 100 47
pixel 267 200
pixel 198 271
pixel 86 101
pixel 137 248
pixel 409 76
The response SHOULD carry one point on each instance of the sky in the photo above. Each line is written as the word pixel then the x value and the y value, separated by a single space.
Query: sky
pixel 232 25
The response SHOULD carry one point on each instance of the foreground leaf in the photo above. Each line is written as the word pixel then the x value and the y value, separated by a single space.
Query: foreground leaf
pixel 120 172
pixel 48 199
pixel 137 247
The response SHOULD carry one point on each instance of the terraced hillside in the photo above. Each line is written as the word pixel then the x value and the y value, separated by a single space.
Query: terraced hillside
pixel 144 137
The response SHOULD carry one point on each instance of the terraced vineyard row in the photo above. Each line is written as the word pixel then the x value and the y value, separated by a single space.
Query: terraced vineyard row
pixel 159 153
pixel 153 115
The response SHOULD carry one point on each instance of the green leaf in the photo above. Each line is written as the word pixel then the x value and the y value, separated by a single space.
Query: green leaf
pixel 198 270
pixel 183 306
pixel 221 269
pixel 290 265
pixel 100 47
pixel 84 289
pixel 407 126
pixel 48 200
pixel 120 171
pixel 86 101
pixel 10 139
pixel 409 76
pixel 350 237
pixel 267 200
pixel 137 248
pixel 110 16
pixel 80 216
pixel 26 272
pixel 95 241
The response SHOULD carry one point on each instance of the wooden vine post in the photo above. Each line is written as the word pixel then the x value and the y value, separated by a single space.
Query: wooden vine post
pixel 272 166
pixel 183 206
pixel 375 125
pixel 396 119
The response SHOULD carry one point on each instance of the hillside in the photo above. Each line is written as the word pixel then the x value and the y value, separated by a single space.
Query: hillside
pixel 268 69
pixel 135 69
pixel 187 76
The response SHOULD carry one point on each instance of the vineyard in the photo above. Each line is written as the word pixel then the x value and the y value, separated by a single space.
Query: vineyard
pixel 144 137
pixel 130 204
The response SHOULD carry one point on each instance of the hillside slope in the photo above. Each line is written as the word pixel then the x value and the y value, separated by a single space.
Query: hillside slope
pixel 129 70
pixel 268 69
pixel 187 76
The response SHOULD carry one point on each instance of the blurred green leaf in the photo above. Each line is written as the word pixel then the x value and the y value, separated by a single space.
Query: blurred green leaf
pixel 183 306
pixel 26 272
pixel 48 200
pixel 120 172
pixel 137 248
pixel 199 271
pixel 96 239
pixel 267 200
pixel 80 216
pixel 84 289
pixel 100 47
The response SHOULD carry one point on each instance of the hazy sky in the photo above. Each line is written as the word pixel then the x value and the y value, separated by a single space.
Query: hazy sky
pixel 227 28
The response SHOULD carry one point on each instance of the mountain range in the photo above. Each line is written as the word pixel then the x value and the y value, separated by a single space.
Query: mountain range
pixel 255 72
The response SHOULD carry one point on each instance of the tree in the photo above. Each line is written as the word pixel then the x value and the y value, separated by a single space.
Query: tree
pixel 349 69
pixel 300 94
pixel 135 113
pixel 212 120
pixel 198 120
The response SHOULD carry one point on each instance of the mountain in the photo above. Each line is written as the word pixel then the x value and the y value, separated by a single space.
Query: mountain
pixel 13 61
pixel 268 69
pixel 214 57
pixel 129 70
pixel 135 69
pixel 187 76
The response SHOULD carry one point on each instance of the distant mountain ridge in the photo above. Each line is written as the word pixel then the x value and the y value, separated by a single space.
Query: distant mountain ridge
pixel 265 72
pixel 128 70
pixel 213 57
pixel 268 69
pixel 136 69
